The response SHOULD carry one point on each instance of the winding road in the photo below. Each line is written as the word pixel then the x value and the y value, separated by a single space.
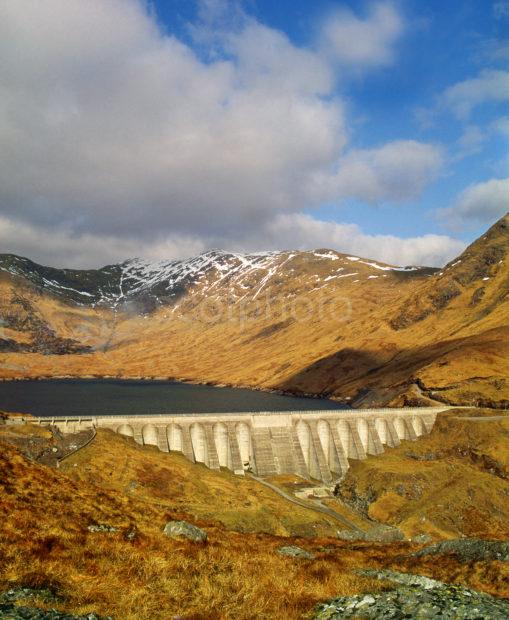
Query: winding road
pixel 320 508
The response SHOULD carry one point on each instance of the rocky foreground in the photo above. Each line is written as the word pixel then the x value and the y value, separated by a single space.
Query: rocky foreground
pixel 406 596
pixel 10 610
pixel 414 596
pixel 127 532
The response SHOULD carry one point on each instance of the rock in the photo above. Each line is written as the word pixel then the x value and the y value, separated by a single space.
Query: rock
pixel 379 533
pixel 428 456
pixel 384 533
pixel 469 549
pixel 414 596
pixel 182 529
pixel 101 527
pixel 295 552
pixel 422 539
pixel 406 579
pixel 352 535
pixel 21 593
pixel 11 611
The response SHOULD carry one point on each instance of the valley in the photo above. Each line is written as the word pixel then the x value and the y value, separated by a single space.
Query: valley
pixel 82 524
pixel 254 310
pixel 87 537
pixel 318 323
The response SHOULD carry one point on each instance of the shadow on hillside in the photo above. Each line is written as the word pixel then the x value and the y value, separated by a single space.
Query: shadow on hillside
pixel 358 369
pixel 327 374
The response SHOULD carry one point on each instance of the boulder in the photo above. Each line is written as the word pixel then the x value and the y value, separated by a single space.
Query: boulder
pixel 102 527
pixel 379 533
pixel 182 529
pixel 414 596
pixel 295 552
pixel 422 539
pixel 469 549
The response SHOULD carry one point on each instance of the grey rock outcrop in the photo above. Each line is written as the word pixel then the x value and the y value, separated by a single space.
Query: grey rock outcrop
pixel 9 610
pixel 414 596
pixel 12 612
pixel 469 549
pixel 182 529
pixel 102 527
pixel 422 539
pixel 379 533
pixel 295 552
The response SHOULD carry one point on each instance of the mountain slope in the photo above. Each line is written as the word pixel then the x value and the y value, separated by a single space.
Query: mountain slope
pixel 133 572
pixel 316 322
pixel 478 281
pixel 162 283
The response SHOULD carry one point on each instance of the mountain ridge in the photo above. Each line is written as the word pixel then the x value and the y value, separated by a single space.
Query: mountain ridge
pixel 316 322
pixel 106 285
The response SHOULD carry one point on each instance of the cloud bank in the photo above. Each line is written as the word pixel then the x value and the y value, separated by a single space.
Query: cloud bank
pixel 491 85
pixel 118 139
pixel 481 203
pixel 369 42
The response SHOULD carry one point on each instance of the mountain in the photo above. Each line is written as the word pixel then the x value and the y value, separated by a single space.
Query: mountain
pixel 316 322
pixel 162 283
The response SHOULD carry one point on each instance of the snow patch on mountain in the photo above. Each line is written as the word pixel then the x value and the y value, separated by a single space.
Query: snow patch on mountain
pixel 144 285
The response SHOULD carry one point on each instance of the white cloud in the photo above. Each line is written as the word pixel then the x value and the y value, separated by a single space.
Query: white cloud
pixel 471 141
pixel 499 50
pixel 368 42
pixel 64 248
pixel 120 127
pixel 474 138
pixel 117 139
pixel 305 232
pixel 396 171
pixel 489 85
pixel 288 231
pixel 501 125
pixel 480 203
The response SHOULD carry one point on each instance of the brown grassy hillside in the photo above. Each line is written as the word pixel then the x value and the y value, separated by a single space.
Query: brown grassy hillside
pixel 137 573
pixel 452 483
pixel 337 327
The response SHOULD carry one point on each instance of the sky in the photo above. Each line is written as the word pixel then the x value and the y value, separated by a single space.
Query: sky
pixel 165 128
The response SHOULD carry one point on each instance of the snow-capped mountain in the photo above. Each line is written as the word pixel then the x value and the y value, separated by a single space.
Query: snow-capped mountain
pixel 317 322
pixel 152 284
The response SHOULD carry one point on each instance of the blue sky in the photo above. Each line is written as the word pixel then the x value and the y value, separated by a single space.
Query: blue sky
pixel 443 43
pixel 164 128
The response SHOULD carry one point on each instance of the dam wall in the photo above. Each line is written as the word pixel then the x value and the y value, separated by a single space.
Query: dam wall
pixel 312 444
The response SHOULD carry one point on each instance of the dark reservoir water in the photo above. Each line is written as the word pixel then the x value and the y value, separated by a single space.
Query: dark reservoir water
pixel 111 397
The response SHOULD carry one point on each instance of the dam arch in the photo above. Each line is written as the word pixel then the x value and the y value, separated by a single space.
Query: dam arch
pixel 344 433
pixel 222 444
pixel 199 443
pixel 324 434
pixel 382 430
pixel 399 425
pixel 419 426
pixel 363 430
pixel 125 429
pixel 175 438
pixel 245 442
pixel 149 434
pixel 304 436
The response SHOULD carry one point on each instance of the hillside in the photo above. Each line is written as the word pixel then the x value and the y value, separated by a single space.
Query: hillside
pixel 305 322
pixel 48 516
pixel 452 483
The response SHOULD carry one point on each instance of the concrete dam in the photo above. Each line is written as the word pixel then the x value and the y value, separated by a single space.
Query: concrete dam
pixel 311 444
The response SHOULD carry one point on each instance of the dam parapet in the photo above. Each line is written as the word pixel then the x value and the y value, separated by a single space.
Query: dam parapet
pixel 312 444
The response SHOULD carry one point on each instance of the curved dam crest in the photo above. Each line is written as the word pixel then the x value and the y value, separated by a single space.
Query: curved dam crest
pixel 311 444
